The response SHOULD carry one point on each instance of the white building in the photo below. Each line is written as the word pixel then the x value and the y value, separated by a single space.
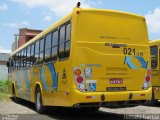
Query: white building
pixel 3 68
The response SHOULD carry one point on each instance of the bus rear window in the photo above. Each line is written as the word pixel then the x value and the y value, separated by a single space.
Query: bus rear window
pixel 154 56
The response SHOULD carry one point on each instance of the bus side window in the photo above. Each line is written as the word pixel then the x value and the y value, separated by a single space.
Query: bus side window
pixel 37 52
pixel 64 41
pixel 48 44
pixel 9 66
pixel 41 51
pixel 32 57
pixel 54 45
pixel 28 56
pixel 21 59
pixel 24 58
pixel 154 56
pixel 13 62
pixel 61 42
pixel 67 41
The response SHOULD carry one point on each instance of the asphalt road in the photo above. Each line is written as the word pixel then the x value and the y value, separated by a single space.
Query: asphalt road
pixel 26 111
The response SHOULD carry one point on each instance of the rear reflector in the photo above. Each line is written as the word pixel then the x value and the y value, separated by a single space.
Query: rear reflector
pixel 142 94
pixel 88 97
pixel 82 86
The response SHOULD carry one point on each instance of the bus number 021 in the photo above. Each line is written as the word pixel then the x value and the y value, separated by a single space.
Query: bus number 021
pixel 129 51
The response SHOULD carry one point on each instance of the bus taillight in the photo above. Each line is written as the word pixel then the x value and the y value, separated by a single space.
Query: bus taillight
pixel 148 78
pixel 77 72
pixel 79 79
pixel 149 72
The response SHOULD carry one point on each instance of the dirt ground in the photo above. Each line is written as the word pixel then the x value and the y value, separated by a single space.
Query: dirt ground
pixel 26 111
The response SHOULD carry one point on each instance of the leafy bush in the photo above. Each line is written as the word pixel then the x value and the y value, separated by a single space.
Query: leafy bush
pixel 3 86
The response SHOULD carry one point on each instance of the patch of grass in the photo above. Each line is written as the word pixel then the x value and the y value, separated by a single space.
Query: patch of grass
pixel 3 86
pixel 4 96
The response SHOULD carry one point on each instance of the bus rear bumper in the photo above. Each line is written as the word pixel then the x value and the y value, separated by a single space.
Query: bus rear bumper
pixel 79 98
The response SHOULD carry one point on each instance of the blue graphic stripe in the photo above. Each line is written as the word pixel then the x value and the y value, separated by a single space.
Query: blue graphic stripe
pixel 21 94
pixel 44 79
pixel 142 61
pixel 54 75
pixel 27 83
pixel 128 61
pixel 19 85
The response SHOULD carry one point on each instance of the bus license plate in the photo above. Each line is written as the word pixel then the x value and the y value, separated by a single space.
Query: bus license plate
pixel 116 81
pixel 116 89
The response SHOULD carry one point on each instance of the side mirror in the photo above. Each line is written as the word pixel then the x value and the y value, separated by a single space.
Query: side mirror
pixel 8 64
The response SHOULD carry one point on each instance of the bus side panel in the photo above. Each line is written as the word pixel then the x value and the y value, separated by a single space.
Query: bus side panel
pixel 35 77
pixel 25 74
pixel 57 76
pixel 19 86
pixel 20 80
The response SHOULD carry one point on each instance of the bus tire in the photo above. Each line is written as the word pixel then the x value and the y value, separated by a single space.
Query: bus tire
pixel 15 99
pixel 38 102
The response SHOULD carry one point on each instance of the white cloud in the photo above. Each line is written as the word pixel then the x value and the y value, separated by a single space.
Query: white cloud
pixel 58 7
pixel 47 18
pixel 3 7
pixel 17 25
pixel 25 23
pixel 2 50
pixel 153 20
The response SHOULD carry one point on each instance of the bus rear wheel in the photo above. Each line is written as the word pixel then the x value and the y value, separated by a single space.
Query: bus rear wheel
pixel 39 106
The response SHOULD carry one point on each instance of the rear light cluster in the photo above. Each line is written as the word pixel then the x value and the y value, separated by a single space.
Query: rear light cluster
pixel 79 79
pixel 147 80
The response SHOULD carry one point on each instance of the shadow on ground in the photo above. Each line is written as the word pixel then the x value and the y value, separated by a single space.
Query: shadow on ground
pixel 68 114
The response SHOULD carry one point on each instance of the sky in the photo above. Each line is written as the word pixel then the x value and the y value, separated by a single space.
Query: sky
pixel 40 14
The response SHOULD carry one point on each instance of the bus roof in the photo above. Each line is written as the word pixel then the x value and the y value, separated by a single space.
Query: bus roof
pixel 112 11
pixel 67 18
pixel 152 42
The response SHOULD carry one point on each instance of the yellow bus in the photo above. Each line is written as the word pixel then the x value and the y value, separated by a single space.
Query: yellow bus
pixel 155 82
pixel 87 59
